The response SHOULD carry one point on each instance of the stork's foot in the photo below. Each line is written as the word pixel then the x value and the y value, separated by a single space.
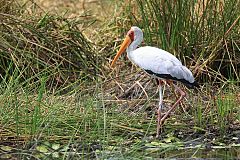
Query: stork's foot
pixel 160 122
pixel 159 130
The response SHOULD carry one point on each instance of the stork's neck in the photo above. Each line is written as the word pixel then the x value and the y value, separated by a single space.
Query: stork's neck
pixel 132 47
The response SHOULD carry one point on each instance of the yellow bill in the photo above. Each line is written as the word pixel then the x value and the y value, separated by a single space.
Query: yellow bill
pixel 127 41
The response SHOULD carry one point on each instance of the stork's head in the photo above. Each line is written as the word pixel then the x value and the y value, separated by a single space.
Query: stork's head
pixel 135 35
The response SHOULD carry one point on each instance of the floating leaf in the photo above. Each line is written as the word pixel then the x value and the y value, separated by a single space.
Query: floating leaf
pixel 55 146
pixel 55 155
pixel 149 145
pixel 236 145
pixel 155 143
pixel 235 138
pixel 219 147
pixel 198 146
pixel 65 149
pixel 97 151
pixel 152 149
pixel 110 147
pixel 42 148
pixel 168 140
pixel 46 143
pixel 40 155
pixel 6 156
pixel 158 145
pixel 220 144
pixel 6 148
pixel 179 144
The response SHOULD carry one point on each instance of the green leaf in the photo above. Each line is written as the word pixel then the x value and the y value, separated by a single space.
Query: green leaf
pixel 65 149
pixel 168 140
pixel 236 145
pixel 152 149
pixel 55 155
pixel 6 148
pixel 6 156
pixel 55 146
pixel 155 143
pixel 42 149
pixel 235 138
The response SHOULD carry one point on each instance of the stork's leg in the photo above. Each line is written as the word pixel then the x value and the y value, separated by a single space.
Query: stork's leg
pixel 183 94
pixel 170 83
pixel 159 114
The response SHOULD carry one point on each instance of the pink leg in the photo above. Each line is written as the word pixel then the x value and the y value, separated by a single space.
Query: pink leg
pixel 159 116
pixel 183 94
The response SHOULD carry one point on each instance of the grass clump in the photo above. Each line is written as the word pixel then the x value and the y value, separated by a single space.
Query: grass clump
pixel 46 44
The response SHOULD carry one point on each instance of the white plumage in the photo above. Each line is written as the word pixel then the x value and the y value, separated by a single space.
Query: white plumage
pixel 160 62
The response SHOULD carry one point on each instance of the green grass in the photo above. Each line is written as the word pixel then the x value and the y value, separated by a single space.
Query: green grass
pixel 89 125
pixel 60 100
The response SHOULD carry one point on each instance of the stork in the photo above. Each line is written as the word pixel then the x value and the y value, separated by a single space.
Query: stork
pixel 158 64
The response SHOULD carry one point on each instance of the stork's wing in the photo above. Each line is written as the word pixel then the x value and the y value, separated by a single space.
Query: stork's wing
pixel 160 62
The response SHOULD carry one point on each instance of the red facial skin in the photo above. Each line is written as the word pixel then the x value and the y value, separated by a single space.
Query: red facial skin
pixel 131 35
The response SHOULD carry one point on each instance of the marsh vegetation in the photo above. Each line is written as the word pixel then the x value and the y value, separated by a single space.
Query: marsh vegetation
pixel 61 100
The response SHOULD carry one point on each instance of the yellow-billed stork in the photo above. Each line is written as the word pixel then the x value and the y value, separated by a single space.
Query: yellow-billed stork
pixel 159 64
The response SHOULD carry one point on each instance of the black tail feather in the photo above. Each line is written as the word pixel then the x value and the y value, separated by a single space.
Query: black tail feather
pixel 168 76
pixel 192 85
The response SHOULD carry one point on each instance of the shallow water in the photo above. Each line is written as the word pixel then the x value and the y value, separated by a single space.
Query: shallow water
pixel 222 153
